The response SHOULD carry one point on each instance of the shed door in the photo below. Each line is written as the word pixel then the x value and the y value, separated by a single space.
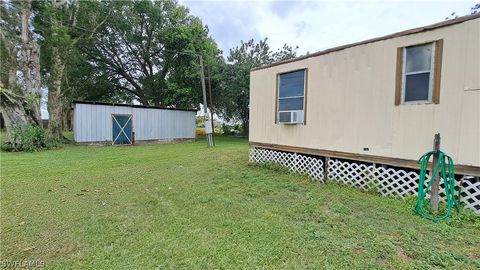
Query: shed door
pixel 122 128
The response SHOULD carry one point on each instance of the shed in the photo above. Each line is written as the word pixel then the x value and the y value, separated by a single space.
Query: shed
pixel 98 122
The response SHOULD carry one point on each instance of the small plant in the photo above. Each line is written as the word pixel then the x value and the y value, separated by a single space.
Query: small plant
pixel 28 138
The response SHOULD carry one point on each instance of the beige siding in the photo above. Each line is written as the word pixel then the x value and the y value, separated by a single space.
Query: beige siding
pixel 350 101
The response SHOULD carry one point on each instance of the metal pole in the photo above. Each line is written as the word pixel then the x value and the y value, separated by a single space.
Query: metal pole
pixel 208 127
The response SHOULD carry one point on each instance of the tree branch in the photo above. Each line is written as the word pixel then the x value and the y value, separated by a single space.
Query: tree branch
pixel 93 32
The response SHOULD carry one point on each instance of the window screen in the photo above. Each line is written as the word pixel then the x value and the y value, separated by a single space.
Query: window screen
pixel 291 91
pixel 418 73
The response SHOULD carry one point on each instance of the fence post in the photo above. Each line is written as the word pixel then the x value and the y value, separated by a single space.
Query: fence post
pixel 373 175
pixel 434 198
pixel 325 169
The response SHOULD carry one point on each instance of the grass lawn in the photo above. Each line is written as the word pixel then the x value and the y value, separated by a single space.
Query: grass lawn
pixel 186 206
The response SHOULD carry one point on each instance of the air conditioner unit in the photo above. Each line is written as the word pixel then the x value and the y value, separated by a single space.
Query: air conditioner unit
pixel 290 117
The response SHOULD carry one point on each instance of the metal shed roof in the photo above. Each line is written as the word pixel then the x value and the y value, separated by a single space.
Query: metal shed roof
pixel 131 105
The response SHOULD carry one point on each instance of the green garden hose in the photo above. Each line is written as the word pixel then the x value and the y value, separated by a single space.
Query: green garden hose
pixel 445 169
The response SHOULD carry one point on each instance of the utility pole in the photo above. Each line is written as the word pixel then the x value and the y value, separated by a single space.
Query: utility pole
pixel 208 124
pixel 434 198
pixel 211 104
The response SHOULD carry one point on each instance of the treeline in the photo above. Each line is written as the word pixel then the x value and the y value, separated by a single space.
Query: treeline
pixel 117 51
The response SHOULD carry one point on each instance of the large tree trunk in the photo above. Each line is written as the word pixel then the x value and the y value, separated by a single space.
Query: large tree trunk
pixel 11 105
pixel 13 111
pixel 55 97
pixel 31 73
pixel 29 63
pixel 20 93
pixel 67 118
pixel 55 94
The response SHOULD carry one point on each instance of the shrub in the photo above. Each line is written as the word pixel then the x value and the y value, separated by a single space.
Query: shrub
pixel 200 121
pixel 28 138
pixel 226 129
pixel 232 129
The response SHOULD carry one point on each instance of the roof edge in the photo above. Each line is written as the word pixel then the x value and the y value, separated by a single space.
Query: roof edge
pixel 130 105
pixel 389 36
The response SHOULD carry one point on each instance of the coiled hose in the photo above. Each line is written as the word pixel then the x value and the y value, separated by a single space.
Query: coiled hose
pixel 445 169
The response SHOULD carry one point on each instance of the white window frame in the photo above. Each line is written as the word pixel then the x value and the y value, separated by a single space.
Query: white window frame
pixel 431 71
pixel 303 96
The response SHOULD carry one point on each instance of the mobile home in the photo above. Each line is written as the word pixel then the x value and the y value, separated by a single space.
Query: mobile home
pixel 374 103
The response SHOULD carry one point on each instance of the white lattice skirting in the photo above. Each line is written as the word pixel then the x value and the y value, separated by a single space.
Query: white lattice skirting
pixel 388 181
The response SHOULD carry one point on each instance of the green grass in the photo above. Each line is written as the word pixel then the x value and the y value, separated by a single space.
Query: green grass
pixel 186 206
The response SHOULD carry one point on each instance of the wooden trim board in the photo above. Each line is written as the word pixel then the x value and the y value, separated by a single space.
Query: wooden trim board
pixel 399 76
pixel 437 71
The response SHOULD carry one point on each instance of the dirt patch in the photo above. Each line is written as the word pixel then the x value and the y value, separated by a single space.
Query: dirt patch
pixel 68 248
pixel 402 254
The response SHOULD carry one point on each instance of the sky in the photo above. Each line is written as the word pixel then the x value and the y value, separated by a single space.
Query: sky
pixel 316 25
pixel 313 25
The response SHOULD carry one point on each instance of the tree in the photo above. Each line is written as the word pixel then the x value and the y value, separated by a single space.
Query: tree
pixel 20 91
pixel 119 51
pixel 62 25
pixel 148 51
pixel 473 10
pixel 232 103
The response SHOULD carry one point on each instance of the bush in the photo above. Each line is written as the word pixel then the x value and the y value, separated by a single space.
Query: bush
pixel 28 138
pixel 200 121
pixel 232 129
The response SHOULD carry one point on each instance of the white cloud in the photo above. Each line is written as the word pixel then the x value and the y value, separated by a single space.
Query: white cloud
pixel 316 25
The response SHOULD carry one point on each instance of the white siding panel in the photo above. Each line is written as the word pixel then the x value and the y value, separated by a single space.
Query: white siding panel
pixel 93 123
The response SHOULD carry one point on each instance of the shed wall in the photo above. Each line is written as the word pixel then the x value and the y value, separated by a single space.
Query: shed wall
pixel 93 123
pixel 350 101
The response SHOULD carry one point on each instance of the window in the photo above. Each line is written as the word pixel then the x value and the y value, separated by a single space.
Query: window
pixel 291 97
pixel 418 73
pixel 417 78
